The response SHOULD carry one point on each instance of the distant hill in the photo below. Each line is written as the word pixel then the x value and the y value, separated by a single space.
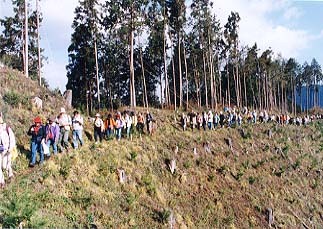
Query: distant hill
pixel 218 187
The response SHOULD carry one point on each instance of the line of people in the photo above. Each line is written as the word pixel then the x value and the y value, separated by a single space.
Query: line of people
pixel 127 122
pixel 230 117
pixel 54 135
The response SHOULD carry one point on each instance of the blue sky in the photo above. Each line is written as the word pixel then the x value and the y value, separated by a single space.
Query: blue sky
pixel 291 28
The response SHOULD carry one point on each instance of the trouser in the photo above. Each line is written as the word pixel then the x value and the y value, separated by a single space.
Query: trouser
pixel 5 163
pixel 118 133
pixel 36 147
pixel 51 142
pixel 63 138
pixel 77 136
pixel 128 131
pixel 140 127
pixel 97 133
pixel 109 132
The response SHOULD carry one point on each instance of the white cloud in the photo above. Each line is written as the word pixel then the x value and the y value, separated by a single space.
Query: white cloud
pixel 292 13
pixel 56 34
pixel 256 25
pixel 55 74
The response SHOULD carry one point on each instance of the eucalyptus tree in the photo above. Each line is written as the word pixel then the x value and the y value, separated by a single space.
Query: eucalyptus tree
pixel 317 77
pixel 81 69
pixel 231 42
pixel 13 39
pixel 177 19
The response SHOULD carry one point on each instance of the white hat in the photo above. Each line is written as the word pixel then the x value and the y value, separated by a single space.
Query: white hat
pixel 63 110
pixel 97 115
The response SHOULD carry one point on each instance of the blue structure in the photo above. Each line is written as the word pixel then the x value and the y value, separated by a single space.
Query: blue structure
pixel 301 98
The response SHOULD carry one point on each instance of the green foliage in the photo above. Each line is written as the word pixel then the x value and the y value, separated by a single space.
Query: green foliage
pixel 65 168
pixel 133 156
pixel 82 197
pixel 149 184
pixel 252 180
pixel 285 149
pixel 11 98
pixel 18 208
pixel 162 216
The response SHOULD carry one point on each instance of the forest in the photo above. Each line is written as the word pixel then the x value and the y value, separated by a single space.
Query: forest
pixel 162 53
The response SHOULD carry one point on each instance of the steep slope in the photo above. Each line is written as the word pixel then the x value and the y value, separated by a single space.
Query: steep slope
pixel 15 102
pixel 219 187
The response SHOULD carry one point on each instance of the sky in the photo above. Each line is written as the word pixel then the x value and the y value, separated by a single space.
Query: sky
pixel 291 28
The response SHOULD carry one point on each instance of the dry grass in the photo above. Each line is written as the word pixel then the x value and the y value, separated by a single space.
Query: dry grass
pixel 220 189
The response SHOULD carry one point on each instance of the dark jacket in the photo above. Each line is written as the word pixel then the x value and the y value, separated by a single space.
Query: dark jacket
pixel 37 136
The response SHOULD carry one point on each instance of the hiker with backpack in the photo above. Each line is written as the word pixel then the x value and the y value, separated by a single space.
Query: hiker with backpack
pixel 98 128
pixel 184 121
pixel 77 125
pixel 52 134
pixel 140 124
pixel 149 122
pixel 222 119
pixel 64 122
pixel 216 120
pixel 38 133
pixel 210 120
pixel 109 125
pixel 128 123
pixel 7 144
pixel 119 126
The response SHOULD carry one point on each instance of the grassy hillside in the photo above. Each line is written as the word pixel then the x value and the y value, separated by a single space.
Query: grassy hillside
pixel 15 102
pixel 220 188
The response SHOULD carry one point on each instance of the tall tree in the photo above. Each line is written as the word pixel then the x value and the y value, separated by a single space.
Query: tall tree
pixel 177 20
pixel 13 40
pixel 81 70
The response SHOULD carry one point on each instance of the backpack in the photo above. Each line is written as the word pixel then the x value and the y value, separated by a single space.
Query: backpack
pixel 2 148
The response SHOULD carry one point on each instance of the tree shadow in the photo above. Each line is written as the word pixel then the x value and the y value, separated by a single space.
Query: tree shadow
pixel 24 151
pixel 88 135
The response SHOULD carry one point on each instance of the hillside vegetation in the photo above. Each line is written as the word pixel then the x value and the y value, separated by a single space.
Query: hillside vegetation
pixel 219 187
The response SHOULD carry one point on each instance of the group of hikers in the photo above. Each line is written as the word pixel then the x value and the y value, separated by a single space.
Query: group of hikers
pixel 234 117
pixel 55 133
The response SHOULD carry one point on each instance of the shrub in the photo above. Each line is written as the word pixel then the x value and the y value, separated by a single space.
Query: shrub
pixel 14 99
pixel 11 98
pixel 162 216
pixel 18 208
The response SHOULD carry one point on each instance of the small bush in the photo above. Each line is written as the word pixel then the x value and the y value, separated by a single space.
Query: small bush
pixel 162 216
pixel 11 98
pixel 16 209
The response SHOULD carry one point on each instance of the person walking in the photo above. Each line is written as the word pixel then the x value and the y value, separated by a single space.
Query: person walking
pixel 7 144
pixel 52 135
pixel 77 125
pixel 37 133
pixel 64 122
pixel 98 128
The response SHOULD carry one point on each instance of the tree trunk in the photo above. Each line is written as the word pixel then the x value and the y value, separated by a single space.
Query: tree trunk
pixel 144 78
pixel 245 90
pixel 180 72
pixel 38 44
pixel 205 82
pixel 132 71
pixel 26 40
pixel 86 92
pixel 228 86
pixel 211 71
pixel 220 81
pixel 165 61
pixel 186 76
pixel 174 83
pixel 97 74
